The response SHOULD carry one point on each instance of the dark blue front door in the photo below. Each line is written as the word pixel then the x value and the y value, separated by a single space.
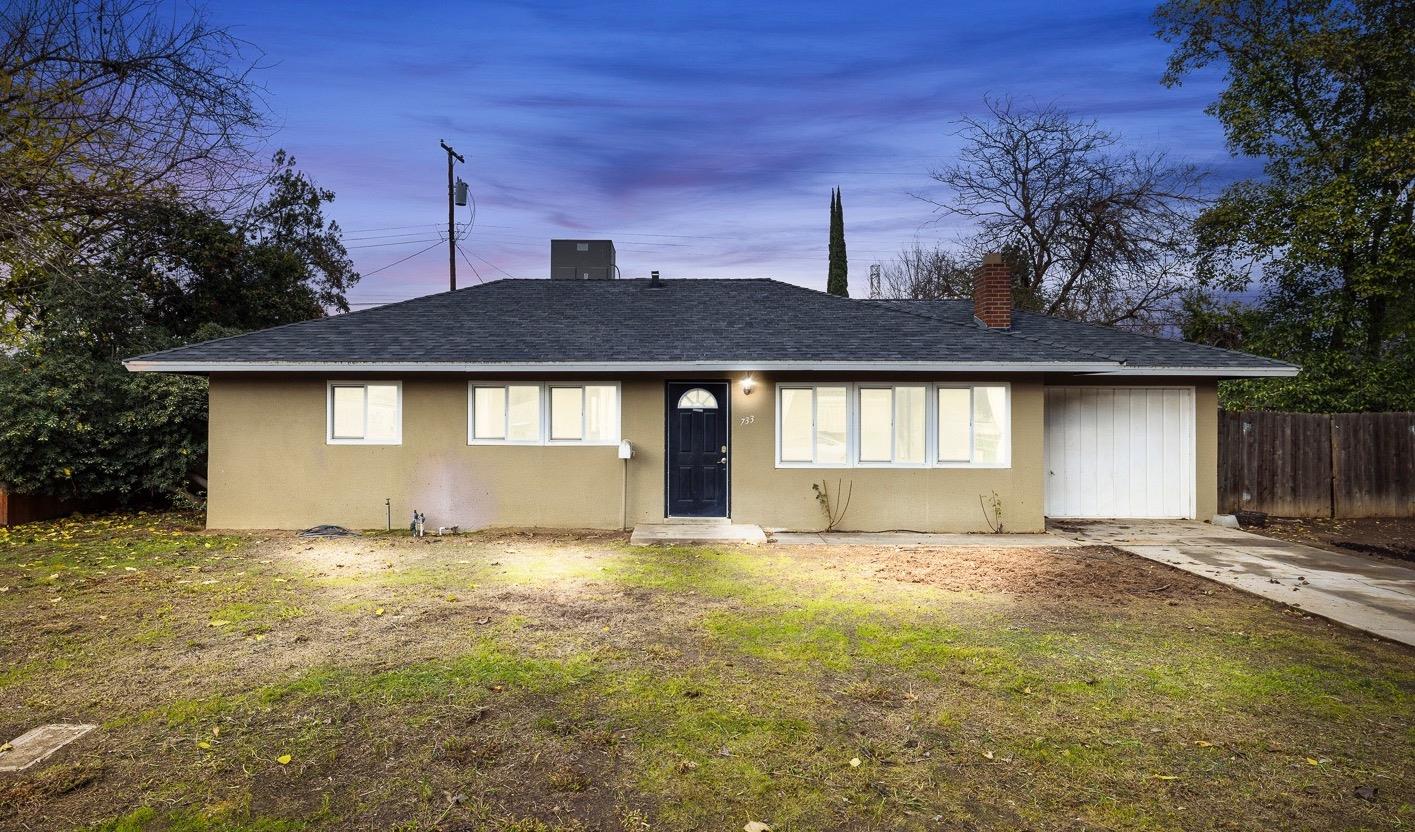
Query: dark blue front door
pixel 697 449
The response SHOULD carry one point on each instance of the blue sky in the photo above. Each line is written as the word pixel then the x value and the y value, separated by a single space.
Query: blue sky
pixel 704 138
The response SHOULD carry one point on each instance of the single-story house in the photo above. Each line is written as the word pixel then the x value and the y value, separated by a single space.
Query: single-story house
pixel 515 403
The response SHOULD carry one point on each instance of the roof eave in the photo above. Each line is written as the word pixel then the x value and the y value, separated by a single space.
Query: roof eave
pixel 145 365
pixel 1284 371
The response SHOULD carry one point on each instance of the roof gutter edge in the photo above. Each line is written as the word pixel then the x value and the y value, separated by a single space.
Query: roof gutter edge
pixel 1287 371
pixel 143 365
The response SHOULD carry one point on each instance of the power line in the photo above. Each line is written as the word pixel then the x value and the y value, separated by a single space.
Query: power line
pixel 469 263
pixel 493 265
pixel 388 227
pixel 397 243
pixel 402 259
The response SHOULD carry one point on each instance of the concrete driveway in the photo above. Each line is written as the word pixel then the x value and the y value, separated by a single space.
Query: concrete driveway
pixel 1370 594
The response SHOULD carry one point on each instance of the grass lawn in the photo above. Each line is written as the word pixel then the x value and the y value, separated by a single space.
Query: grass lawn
pixel 535 681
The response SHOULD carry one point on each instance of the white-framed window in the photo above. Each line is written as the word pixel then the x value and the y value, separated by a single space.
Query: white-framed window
pixel 542 413
pixel 882 424
pixel 364 413
pixel 504 413
pixel 812 424
pixel 893 424
pixel 973 425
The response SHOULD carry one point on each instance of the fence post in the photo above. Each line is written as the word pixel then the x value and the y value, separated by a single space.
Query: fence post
pixel 1333 426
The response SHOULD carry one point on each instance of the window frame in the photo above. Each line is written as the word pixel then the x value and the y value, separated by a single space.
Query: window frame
pixel 815 400
pixel 329 387
pixel 972 426
pixel 931 417
pixel 505 387
pixel 892 387
pixel 543 389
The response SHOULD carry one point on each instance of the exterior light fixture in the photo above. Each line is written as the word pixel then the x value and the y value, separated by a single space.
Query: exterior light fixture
pixel 748 384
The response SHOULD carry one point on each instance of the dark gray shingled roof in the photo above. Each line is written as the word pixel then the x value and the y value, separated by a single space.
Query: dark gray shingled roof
pixel 620 321
pixel 1134 349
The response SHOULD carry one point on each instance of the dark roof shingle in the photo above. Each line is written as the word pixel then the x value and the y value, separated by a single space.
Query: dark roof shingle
pixel 519 321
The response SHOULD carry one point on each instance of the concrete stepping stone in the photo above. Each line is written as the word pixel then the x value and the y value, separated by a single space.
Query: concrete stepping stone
pixel 38 743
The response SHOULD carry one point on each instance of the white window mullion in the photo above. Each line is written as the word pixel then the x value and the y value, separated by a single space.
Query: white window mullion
pixel 341 408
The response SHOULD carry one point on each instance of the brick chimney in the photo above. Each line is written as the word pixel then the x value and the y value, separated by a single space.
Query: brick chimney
pixel 992 293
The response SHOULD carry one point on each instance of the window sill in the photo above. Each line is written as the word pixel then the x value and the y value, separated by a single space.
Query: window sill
pixel 891 466
pixel 363 441
pixel 557 443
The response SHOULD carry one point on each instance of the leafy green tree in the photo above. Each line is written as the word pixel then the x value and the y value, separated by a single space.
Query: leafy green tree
pixel 1324 92
pixel 838 275
pixel 73 421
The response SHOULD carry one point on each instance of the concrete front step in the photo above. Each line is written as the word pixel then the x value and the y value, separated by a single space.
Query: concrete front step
pixel 679 532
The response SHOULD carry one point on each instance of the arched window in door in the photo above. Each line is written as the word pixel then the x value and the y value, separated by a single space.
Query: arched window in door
pixel 697 399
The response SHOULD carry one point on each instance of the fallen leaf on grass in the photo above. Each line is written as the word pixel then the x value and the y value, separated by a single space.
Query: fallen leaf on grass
pixel 1313 761
pixel 284 759
pixel 204 745
pixel 854 762
pixel 1164 777
pixel 378 611
pixel 5 747
pixel 216 730
pixel 1203 743
pixel 219 623
pixel 756 826
pixel 987 754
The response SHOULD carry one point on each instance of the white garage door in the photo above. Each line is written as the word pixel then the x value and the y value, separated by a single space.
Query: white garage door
pixel 1120 452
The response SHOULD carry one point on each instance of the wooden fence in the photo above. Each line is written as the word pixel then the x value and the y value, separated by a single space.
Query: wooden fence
pixel 1316 464
pixel 21 508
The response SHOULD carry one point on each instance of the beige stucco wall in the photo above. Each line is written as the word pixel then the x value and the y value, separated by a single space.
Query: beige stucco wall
pixel 920 499
pixel 271 468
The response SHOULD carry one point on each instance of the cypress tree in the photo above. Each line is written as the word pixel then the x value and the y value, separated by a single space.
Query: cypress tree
pixel 837 276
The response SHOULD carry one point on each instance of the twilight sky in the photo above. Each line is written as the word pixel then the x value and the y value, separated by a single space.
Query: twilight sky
pixel 703 138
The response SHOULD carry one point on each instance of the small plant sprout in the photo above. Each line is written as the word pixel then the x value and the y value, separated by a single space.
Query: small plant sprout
pixel 833 510
pixel 992 511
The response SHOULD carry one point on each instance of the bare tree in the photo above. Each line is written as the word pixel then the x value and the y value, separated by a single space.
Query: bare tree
pixel 104 102
pixel 1095 233
pixel 920 273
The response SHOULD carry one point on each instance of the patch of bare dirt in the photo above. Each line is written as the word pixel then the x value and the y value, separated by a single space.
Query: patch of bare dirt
pixel 1098 574
pixel 1389 537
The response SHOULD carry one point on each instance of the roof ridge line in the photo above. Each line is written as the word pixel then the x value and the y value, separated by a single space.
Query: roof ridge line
pixel 1160 338
pixel 1032 338
pixel 309 321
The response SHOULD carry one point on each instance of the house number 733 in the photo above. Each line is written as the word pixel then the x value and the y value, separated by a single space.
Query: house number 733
pixel 747 420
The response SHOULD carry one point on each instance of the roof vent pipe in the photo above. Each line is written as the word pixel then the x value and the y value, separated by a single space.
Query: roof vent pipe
pixel 654 282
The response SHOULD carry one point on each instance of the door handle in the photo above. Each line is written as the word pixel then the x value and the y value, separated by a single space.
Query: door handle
pixel 722 461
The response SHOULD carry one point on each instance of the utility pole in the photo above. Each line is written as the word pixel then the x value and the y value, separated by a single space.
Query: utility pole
pixel 451 217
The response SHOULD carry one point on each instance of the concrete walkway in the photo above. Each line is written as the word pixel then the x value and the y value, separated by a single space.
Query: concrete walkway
pixel 995 541
pixel 1377 596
